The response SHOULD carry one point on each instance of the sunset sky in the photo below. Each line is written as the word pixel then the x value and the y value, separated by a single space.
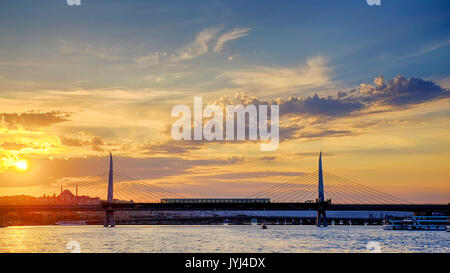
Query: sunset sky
pixel 367 85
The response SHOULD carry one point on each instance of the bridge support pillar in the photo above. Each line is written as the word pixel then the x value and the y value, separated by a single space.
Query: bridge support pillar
pixel 321 218
pixel 109 219
pixel 321 215
pixel 109 216
pixel 3 220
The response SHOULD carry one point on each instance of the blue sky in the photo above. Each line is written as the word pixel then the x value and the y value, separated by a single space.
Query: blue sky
pixel 360 41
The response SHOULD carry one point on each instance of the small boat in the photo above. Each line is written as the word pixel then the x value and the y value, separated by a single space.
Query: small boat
pixel 263 226
pixel 437 223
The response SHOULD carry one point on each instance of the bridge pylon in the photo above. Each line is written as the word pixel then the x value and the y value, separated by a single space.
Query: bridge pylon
pixel 109 215
pixel 321 214
pixel 3 219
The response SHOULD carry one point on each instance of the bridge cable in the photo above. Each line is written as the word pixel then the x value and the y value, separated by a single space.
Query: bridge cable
pixel 153 186
pixel 280 185
pixel 129 184
pixel 369 189
pixel 284 186
pixel 298 184
pixel 341 191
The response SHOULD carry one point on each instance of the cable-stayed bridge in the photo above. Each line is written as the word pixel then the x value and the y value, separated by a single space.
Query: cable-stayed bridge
pixel 319 191
pixel 303 188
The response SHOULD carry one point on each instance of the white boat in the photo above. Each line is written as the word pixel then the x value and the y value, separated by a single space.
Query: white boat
pixel 417 223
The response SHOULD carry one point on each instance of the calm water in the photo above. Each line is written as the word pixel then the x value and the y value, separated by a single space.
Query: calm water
pixel 219 239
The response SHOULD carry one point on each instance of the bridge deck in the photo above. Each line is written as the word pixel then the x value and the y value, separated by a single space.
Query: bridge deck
pixel 223 207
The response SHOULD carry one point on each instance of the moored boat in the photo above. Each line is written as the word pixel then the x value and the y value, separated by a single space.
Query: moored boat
pixel 438 223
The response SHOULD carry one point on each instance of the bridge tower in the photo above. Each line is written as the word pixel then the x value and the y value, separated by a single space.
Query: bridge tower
pixel 4 219
pixel 321 215
pixel 109 216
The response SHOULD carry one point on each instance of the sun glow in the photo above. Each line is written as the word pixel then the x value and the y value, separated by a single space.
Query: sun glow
pixel 21 165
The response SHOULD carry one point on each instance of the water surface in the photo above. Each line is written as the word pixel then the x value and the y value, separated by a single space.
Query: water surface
pixel 219 239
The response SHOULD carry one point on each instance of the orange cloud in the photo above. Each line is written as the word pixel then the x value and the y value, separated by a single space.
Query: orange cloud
pixel 32 119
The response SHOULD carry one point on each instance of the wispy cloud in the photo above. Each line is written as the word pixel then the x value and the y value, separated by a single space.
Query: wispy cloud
pixel 105 53
pixel 315 72
pixel 198 47
pixel 151 59
pixel 229 36
pixel 205 42
pixel 431 48
pixel 32 119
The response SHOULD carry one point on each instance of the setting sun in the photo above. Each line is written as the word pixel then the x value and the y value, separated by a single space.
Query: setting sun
pixel 21 165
